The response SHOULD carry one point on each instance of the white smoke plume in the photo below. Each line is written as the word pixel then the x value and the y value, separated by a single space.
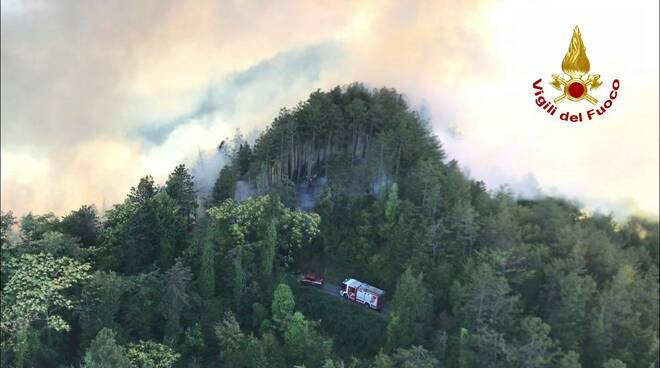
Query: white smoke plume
pixel 97 94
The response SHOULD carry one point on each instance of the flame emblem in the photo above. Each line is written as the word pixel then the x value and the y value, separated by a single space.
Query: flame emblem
pixel 575 65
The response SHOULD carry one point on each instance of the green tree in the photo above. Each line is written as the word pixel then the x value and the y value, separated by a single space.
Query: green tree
pixel 207 270
pixel 614 363
pixel 140 311
pixel 239 277
pixel 7 220
pixel 501 229
pixel 243 157
pixel 38 290
pixel 282 306
pixel 144 191
pixel 411 309
pixel 464 226
pixel 569 293
pixel 569 359
pixel 114 238
pixel 82 223
pixel 101 298
pixel 392 206
pixel 273 351
pixel 54 243
pixel 268 250
pixel 176 298
pixel 232 341
pixel 534 347
pixel 304 345
pixel 296 229
pixel 485 348
pixel 484 299
pixel 149 354
pixel 33 227
pixel 136 238
pixel 616 330
pixel 104 352
pixel 224 186
pixel 171 228
pixel 193 345
pixel 238 349
pixel 415 357
pixel 383 360
pixel 181 188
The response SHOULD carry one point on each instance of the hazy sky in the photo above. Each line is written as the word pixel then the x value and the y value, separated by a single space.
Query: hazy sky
pixel 96 94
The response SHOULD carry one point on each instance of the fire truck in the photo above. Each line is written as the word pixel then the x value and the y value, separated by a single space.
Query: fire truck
pixel 363 293
pixel 310 279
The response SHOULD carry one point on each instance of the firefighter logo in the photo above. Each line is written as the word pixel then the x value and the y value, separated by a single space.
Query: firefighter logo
pixel 575 66
pixel 575 84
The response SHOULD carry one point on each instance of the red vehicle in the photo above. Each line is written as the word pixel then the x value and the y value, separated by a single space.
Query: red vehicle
pixel 363 293
pixel 311 279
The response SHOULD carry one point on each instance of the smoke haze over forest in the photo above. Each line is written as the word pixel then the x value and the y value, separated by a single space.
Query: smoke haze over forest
pixel 96 95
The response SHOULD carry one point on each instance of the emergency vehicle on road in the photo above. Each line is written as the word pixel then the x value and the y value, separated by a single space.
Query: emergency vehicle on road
pixel 363 293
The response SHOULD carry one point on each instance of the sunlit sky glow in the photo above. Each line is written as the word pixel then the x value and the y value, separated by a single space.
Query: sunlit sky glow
pixel 97 94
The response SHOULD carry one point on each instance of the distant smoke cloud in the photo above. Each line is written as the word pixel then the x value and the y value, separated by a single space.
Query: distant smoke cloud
pixel 97 94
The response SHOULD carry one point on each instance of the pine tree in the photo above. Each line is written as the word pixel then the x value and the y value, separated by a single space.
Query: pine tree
pixel 176 298
pixel 282 306
pixel 171 229
pixel 268 250
pixel 411 308
pixel 304 345
pixel 569 293
pixel 84 224
pixel 105 353
pixel 224 186
pixel 464 227
pixel 485 299
pixel 415 357
pixel 207 270
pixel 7 220
pixel 101 300
pixel 569 359
pixel 535 348
pixel 614 363
pixel 144 191
pixel 181 187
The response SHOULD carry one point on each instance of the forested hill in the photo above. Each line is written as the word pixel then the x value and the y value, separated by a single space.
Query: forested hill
pixel 352 139
pixel 350 182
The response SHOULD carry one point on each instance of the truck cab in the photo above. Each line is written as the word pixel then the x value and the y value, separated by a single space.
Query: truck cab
pixel 348 289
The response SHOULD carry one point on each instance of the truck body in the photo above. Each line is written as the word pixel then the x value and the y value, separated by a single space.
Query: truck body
pixel 363 293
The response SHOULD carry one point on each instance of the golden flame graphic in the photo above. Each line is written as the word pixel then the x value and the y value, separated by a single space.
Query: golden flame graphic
pixel 576 63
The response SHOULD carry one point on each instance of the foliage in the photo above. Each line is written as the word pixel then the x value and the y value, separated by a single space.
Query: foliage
pixel 238 349
pixel 282 307
pixel 37 291
pixel 105 353
pixel 349 183
pixel 84 224
pixel 415 357
pixel 100 303
pixel 177 297
pixel 181 188
pixel 411 309
pixel 224 186
pixel 304 345
pixel 149 354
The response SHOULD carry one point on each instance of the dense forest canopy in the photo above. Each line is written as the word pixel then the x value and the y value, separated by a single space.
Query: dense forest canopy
pixel 350 182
